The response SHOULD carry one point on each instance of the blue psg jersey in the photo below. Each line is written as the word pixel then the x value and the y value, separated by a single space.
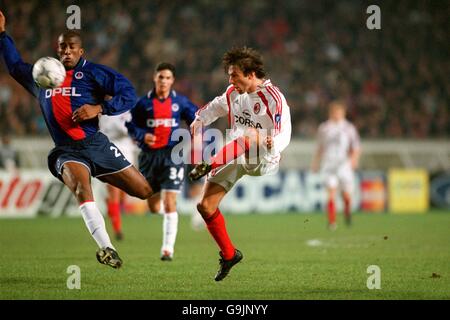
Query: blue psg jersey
pixel 87 83
pixel 160 117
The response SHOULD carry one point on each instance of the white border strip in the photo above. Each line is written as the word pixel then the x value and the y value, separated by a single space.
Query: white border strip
pixel 107 174
pixel 84 164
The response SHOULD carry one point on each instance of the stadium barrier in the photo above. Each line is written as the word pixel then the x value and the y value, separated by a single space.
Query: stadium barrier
pixel 431 155
pixel 34 193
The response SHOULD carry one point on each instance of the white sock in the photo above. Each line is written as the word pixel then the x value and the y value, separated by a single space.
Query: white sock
pixel 170 229
pixel 96 224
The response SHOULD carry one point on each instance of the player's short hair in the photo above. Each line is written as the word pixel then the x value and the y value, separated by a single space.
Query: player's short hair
pixel 247 59
pixel 338 104
pixel 71 34
pixel 165 66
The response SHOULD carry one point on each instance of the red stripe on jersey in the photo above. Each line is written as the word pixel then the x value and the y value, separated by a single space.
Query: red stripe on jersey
pixel 278 101
pixel 275 98
pixel 229 91
pixel 278 94
pixel 202 108
pixel 266 103
pixel 62 111
pixel 162 110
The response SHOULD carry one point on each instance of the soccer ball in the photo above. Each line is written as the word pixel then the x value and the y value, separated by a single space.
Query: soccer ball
pixel 48 72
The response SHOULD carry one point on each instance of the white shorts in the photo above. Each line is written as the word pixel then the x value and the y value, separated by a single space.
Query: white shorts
pixel 341 176
pixel 128 148
pixel 228 174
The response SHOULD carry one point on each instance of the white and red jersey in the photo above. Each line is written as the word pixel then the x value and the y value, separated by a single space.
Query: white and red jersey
pixel 337 139
pixel 265 109
pixel 114 128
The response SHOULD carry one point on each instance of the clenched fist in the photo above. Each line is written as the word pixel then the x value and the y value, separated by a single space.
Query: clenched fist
pixel 86 112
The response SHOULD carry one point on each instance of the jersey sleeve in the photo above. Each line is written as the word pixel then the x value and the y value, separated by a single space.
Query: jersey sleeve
pixel 278 110
pixel 282 137
pixel 355 143
pixel 19 70
pixel 135 126
pixel 215 109
pixel 189 110
pixel 117 86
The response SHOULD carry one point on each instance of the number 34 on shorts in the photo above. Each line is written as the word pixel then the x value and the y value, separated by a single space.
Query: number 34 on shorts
pixel 176 174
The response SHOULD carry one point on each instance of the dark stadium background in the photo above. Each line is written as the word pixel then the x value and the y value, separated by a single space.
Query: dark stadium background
pixel 396 85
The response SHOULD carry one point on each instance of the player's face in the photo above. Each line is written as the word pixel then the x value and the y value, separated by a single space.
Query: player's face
pixel 237 78
pixel 164 80
pixel 69 51
pixel 337 113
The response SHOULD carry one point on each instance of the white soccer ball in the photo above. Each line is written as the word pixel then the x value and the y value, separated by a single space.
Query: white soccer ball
pixel 49 72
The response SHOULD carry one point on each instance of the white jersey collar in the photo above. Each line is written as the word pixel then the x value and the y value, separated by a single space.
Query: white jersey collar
pixel 266 83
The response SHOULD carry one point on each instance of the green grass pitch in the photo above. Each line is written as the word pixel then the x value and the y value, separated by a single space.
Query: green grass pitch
pixel 286 256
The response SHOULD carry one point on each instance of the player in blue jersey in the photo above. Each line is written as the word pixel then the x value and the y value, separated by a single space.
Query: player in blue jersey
pixel 71 114
pixel 154 119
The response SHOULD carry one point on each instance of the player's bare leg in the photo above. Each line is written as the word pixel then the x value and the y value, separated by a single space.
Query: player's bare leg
pixel 154 204
pixel 331 209
pixel 209 209
pixel 131 181
pixel 347 207
pixel 114 212
pixel 78 179
pixel 195 192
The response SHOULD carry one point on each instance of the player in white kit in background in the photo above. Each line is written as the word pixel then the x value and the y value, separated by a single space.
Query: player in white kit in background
pixel 259 118
pixel 114 128
pixel 337 156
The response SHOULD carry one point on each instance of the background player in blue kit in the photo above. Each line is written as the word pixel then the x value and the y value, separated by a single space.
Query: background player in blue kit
pixel 154 118
pixel 81 151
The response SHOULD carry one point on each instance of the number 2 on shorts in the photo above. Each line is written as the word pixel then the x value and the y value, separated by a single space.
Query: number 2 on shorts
pixel 116 151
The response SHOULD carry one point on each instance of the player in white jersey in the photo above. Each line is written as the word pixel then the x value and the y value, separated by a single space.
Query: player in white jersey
pixel 259 117
pixel 337 156
pixel 114 128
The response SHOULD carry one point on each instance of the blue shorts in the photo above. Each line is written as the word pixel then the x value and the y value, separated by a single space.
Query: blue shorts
pixel 100 156
pixel 160 171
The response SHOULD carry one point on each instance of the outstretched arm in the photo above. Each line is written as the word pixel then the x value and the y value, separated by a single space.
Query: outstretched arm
pixel 19 70
pixel 316 159
pixel 355 149
pixel 2 22
pixel 118 87
pixel 319 152
pixel 135 129
pixel 210 113
pixel 189 111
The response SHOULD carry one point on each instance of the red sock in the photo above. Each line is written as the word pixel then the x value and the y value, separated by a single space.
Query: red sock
pixel 216 226
pixel 114 215
pixel 331 212
pixel 231 151
pixel 347 208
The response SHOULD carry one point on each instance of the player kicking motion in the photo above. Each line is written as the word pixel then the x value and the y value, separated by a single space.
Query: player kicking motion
pixel 81 151
pixel 337 156
pixel 114 128
pixel 254 107
pixel 155 117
